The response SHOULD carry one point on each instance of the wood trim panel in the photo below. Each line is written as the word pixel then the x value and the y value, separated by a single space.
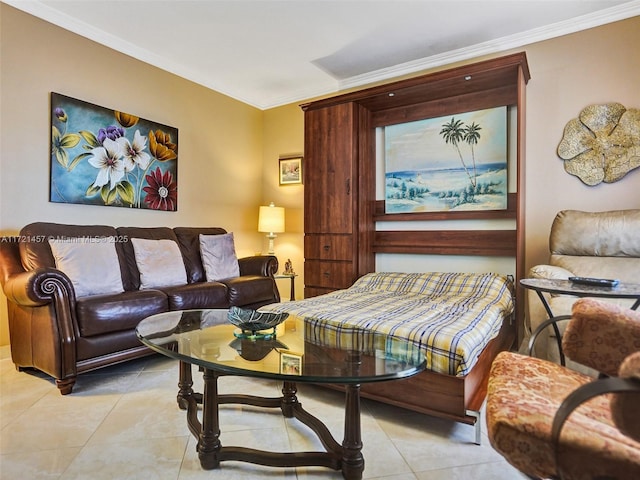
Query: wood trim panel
pixel 480 76
pixel 501 243
pixel 523 78
pixel 315 291
pixel 328 274
pixel 367 186
pixel 495 97
pixel 328 247
pixel 509 213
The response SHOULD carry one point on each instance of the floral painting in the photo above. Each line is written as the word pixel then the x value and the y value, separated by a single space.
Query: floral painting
pixel 101 156
pixel 451 163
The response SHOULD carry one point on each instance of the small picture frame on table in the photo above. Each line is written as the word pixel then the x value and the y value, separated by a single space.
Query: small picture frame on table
pixel 290 363
pixel 290 170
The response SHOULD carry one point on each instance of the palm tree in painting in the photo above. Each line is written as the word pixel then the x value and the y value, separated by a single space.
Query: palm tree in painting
pixel 471 136
pixel 453 133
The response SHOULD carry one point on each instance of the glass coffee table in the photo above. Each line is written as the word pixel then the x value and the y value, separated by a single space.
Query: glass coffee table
pixel 297 351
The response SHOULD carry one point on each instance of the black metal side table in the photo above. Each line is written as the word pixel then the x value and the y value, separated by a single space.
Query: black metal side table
pixel 567 287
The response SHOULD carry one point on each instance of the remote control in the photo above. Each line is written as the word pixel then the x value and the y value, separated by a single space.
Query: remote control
pixel 596 282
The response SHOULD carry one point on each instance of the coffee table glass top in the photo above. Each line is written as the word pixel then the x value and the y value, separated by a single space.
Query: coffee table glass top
pixel 299 351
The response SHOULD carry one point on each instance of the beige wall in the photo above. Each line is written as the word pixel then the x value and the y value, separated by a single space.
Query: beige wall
pixel 220 139
pixel 283 135
pixel 567 74
pixel 229 151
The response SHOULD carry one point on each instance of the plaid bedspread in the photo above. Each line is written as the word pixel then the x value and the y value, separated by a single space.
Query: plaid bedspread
pixel 451 316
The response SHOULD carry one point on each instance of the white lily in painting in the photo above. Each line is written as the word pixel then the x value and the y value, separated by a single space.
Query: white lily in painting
pixel 108 159
pixel 133 152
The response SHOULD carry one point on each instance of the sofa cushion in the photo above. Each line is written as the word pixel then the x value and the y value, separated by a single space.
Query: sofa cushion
pixel 189 241
pixel 35 251
pixel 219 258
pixel 159 262
pixel 111 313
pixel 150 233
pixel 197 295
pixel 90 263
pixel 249 289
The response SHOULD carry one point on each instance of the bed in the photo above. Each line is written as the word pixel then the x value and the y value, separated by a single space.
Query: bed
pixel 460 320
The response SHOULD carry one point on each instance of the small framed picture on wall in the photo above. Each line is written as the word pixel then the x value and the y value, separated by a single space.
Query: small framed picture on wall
pixel 291 170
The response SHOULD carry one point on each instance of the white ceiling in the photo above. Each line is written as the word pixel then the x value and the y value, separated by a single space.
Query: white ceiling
pixel 268 53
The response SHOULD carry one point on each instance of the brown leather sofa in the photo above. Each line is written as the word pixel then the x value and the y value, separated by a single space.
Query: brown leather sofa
pixel 62 335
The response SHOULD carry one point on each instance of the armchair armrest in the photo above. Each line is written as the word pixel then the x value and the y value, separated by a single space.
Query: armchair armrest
pixel 624 408
pixel 263 265
pixel 628 388
pixel 600 335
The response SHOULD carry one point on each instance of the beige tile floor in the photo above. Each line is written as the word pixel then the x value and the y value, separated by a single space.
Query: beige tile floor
pixel 122 422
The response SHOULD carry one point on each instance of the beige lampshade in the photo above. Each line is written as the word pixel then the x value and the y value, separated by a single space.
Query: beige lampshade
pixel 271 219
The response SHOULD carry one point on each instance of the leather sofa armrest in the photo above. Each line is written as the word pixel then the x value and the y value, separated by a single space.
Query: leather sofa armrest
pixel 39 287
pixel 600 334
pixel 263 265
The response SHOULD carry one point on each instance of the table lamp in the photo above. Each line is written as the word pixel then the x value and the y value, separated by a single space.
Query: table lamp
pixel 271 221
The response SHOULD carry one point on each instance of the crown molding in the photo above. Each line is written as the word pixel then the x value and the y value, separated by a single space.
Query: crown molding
pixel 55 17
pixel 51 15
pixel 584 22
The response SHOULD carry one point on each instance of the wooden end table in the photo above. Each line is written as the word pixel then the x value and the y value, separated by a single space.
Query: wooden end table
pixel 292 295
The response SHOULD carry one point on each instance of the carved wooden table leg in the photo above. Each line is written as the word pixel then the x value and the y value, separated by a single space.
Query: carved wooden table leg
pixel 209 440
pixel 185 384
pixel 352 459
pixel 289 398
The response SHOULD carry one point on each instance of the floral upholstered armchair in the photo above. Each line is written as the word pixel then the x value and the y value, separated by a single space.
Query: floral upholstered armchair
pixel 553 422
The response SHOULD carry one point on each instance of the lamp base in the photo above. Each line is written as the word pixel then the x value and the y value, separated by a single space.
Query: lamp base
pixel 271 238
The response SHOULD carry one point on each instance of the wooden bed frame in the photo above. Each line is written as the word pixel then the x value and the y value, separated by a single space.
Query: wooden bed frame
pixel 446 396
pixel 441 395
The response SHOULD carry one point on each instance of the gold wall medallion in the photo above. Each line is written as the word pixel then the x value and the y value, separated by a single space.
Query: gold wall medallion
pixel 602 144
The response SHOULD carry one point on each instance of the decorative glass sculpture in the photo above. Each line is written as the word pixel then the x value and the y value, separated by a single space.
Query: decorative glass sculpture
pixel 252 323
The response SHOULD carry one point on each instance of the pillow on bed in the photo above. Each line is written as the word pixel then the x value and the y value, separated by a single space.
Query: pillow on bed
pixel 90 263
pixel 219 257
pixel 159 262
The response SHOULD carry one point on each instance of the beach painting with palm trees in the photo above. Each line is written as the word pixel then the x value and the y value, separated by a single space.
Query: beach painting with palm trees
pixel 451 163
pixel 102 156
